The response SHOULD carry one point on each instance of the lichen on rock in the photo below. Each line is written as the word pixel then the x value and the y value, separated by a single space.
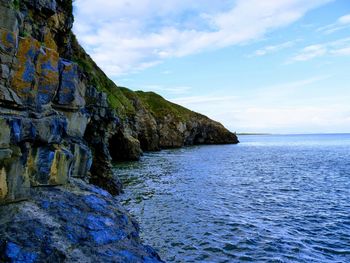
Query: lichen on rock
pixel 62 123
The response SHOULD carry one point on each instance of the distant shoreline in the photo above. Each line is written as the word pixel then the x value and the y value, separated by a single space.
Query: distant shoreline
pixel 251 133
pixel 289 134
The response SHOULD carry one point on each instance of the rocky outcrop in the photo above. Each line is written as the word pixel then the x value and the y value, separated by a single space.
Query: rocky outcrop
pixel 156 123
pixel 79 223
pixel 54 125
pixel 62 122
pixel 54 133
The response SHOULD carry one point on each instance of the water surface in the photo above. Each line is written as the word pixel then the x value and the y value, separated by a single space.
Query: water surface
pixel 268 199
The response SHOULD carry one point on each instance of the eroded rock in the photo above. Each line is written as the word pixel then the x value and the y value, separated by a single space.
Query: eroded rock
pixel 51 227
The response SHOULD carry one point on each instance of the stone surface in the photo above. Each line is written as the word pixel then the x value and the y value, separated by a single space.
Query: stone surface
pixel 55 126
pixel 8 19
pixel 5 133
pixel 77 223
pixel 158 124
pixel 46 7
pixel 9 97
pixel 69 82
pixel 82 160
pixel 77 123
pixel 48 80
pixel 23 82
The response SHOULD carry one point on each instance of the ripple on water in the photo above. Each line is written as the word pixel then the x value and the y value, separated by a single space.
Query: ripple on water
pixel 269 199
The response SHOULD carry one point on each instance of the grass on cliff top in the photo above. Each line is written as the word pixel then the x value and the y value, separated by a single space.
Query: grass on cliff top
pixel 122 99
pixel 160 107
pixel 97 78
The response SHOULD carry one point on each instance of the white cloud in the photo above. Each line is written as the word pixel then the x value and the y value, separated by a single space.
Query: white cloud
pixel 341 51
pixel 339 47
pixel 124 36
pixel 273 48
pixel 311 52
pixel 342 22
pixel 284 107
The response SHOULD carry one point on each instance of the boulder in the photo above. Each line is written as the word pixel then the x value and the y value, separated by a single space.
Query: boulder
pixel 79 223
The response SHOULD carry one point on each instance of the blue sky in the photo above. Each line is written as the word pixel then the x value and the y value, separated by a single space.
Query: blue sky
pixel 278 66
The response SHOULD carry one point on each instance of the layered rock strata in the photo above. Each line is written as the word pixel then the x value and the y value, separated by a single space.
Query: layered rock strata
pixel 62 123
pixel 48 110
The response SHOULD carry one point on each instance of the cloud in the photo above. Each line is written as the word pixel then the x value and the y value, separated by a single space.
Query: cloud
pixel 281 91
pixel 283 107
pixel 339 47
pixel 126 36
pixel 259 114
pixel 342 22
pixel 273 48
pixel 311 52
pixel 328 118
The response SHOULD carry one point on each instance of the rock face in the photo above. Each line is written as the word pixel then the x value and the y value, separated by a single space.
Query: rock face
pixel 53 228
pixel 54 133
pixel 157 124
pixel 62 122
pixel 52 119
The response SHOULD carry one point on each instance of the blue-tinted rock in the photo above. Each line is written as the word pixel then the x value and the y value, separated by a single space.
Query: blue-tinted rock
pixel 82 160
pixel 95 222
pixel 106 236
pixel 17 255
pixel 25 72
pixel 58 128
pixel 100 191
pixel 47 67
pixel 128 256
pixel 44 162
pixel 15 125
pixel 58 225
pixel 28 130
pixel 95 203
pixel 68 82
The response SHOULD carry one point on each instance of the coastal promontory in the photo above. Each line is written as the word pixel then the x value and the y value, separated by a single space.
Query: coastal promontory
pixel 62 124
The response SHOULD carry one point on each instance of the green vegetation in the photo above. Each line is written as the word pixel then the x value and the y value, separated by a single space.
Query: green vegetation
pixel 16 4
pixel 161 107
pixel 98 78
pixel 122 99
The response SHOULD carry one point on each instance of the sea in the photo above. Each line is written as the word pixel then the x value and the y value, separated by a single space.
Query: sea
pixel 271 198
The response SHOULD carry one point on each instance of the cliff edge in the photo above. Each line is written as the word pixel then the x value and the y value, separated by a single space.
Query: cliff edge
pixel 62 123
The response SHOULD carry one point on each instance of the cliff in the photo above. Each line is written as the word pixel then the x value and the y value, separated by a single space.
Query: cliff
pixel 148 122
pixel 62 123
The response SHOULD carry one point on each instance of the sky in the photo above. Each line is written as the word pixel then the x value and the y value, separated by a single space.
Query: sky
pixel 274 66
